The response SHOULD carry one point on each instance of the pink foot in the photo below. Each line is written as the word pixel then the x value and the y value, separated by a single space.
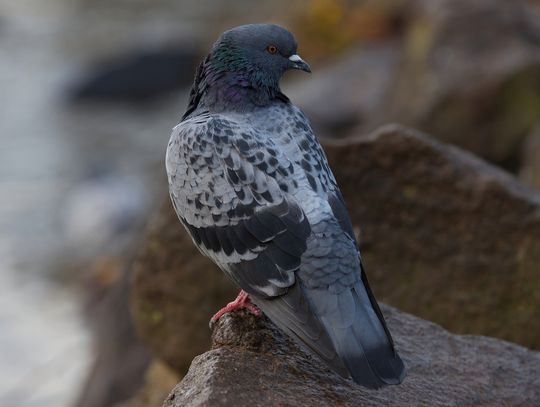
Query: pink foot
pixel 242 301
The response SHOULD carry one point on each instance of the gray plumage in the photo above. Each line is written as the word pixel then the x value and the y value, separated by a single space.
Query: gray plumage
pixel 252 186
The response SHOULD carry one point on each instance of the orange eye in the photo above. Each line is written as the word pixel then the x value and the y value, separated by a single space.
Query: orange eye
pixel 272 49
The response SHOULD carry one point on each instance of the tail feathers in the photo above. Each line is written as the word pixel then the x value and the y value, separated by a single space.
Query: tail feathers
pixel 365 347
pixel 345 330
pixel 360 337
pixel 293 314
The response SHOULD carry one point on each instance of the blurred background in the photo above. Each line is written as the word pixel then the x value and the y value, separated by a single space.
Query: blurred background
pixel 90 90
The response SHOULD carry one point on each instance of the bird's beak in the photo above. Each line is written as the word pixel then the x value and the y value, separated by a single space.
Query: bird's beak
pixel 299 63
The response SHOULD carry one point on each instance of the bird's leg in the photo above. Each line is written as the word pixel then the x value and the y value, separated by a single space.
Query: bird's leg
pixel 241 301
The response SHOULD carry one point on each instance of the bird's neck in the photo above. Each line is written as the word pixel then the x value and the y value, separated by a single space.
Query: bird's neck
pixel 237 91
pixel 226 82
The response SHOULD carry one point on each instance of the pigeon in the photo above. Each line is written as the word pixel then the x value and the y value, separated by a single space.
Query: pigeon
pixel 252 186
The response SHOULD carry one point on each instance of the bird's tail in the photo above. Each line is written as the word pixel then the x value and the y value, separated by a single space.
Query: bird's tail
pixel 358 331
pixel 347 330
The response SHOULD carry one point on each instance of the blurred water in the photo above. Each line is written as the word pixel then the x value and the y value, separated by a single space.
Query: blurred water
pixel 72 177
pixel 39 322
pixel 47 150
pixel 45 348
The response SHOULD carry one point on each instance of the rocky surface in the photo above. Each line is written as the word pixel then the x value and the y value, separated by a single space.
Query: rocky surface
pixel 159 380
pixel 139 76
pixel 120 358
pixel 471 74
pixel 444 235
pixel 252 364
pixel 175 291
pixel 369 71
pixel 530 160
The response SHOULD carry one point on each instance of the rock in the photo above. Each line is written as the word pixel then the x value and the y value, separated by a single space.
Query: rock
pixel 176 290
pixel 530 160
pixel 139 76
pixel 370 69
pixel 158 383
pixel 443 234
pixel 253 364
pixel 121 359
pixel 471 74
pixel 465 72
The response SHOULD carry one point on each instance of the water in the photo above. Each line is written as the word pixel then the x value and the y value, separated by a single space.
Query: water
pixel 54 210
pixel 39 321
pixel 45 348
pixel 46 150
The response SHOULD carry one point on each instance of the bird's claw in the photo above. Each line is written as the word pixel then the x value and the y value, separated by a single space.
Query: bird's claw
pixel 241 301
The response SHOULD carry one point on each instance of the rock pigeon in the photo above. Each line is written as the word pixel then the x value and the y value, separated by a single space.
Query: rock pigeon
pixel 252 186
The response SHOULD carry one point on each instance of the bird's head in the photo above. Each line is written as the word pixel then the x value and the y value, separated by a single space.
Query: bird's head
pixel 260 53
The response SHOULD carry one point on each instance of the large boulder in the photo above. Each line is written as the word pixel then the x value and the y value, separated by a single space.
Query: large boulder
pixel 158 381
pixel 120 357
pixel 176 290
pixel 471 74
pixel 529 173
pixel 443 234
pixel 466 72
pixel 253 364
pixel 352 92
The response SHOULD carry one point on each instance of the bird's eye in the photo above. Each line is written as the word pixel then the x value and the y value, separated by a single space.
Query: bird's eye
pixel 272 49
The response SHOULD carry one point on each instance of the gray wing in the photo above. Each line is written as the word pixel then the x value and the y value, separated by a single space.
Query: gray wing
pixel 230 192
pixel 336 284
pixel 234 192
